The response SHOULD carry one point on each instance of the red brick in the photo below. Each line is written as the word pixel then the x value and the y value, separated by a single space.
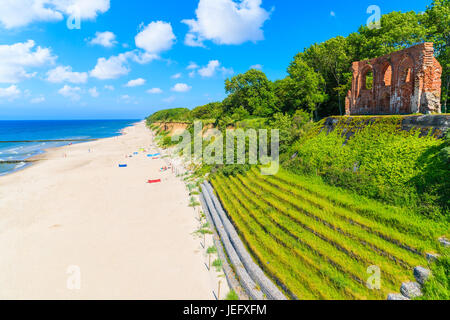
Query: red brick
pixel 404 82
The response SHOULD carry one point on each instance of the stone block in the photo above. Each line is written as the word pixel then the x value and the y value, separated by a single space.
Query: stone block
pixel 397 296
pixel 421 274
pixel 411 290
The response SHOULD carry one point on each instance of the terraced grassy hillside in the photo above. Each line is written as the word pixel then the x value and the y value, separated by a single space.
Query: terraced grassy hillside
pixel 316 241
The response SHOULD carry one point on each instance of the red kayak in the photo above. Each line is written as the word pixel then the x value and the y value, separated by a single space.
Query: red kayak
pixel 154 181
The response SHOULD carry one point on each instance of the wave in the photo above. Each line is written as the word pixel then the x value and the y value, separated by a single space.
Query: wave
pixel 20 165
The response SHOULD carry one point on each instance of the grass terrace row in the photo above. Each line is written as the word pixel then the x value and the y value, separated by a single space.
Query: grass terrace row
pixel 316 244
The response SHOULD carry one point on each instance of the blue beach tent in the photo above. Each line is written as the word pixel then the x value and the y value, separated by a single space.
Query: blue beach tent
pixel 123 165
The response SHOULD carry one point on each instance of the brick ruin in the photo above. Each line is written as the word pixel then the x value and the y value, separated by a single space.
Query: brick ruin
pixel 403 82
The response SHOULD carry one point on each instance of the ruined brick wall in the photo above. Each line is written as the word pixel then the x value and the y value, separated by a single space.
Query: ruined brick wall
pixel 404 82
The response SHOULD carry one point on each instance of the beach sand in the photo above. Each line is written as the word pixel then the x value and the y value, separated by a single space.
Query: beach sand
pixel 78 211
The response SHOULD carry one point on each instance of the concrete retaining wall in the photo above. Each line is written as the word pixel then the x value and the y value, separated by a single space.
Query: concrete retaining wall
pixel 222 223
pixel 246 281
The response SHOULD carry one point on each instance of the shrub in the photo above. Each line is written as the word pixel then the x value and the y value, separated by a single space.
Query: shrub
pixel 232 295
pixel 380 161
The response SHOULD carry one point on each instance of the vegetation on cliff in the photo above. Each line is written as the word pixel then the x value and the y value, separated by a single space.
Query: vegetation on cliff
pixel 380 161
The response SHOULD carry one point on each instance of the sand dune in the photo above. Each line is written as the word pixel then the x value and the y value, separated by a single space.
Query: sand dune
pixel 128 239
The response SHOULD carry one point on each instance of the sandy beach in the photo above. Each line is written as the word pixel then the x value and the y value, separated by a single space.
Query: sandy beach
pixel 77 215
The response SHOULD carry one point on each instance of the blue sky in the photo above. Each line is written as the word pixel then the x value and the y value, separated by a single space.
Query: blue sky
pixel 130 58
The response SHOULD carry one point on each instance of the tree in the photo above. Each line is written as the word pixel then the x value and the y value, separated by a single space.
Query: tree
pixel 211 110
pixel 251 91
pixel 286 101
pixel 437 21
pixel 307 86
pixel 398 31
pixel 332 60
pixel 177 114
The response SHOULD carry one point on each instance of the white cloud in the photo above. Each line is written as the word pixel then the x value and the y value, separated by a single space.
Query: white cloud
pixel 227 22
pixel 181 87
pixel 65 74
pixel 136 82
pixel 109 87
pixel 85 9
pixel 111 68
pixel 10 93
pixel 154 91
pixel 144 57
pixel 16 57
pixel 106 39
pixel 211 69
pixel 37 100
pixel 156 37
pixel 176 76
pixel 19 13
pixel 116 66
pixel 93 92
pixel 333 14
pixel 256 66
pixel 70 92
pixel 192 66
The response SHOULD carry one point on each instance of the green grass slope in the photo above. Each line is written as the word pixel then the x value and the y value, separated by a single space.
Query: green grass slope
pixel 317 241
pixel 380 161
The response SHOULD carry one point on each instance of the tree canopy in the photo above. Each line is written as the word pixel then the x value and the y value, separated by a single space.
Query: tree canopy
pixel 319 77
pixel 251 92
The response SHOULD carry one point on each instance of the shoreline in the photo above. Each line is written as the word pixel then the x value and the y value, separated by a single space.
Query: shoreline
pixel 38 157
pixel 128 239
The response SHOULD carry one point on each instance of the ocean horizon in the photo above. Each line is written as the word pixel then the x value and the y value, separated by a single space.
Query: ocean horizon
pixel 30 130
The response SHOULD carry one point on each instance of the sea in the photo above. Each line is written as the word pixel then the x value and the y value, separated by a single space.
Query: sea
pixel 48 130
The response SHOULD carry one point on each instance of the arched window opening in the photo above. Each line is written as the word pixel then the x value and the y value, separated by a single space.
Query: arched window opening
pixel 406 75
pixel 406 71
pixel 387 77
pixel 368 80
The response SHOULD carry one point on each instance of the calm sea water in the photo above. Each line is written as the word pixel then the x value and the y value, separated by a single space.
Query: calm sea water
pixel 49 130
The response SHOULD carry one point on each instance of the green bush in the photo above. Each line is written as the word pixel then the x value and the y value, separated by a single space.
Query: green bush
pixel 232 295
pixel 380 161
pixel 177 114
pixel 211 250
pixel 445 152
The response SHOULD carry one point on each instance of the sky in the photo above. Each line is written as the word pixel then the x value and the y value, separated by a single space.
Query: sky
pixel 115 59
